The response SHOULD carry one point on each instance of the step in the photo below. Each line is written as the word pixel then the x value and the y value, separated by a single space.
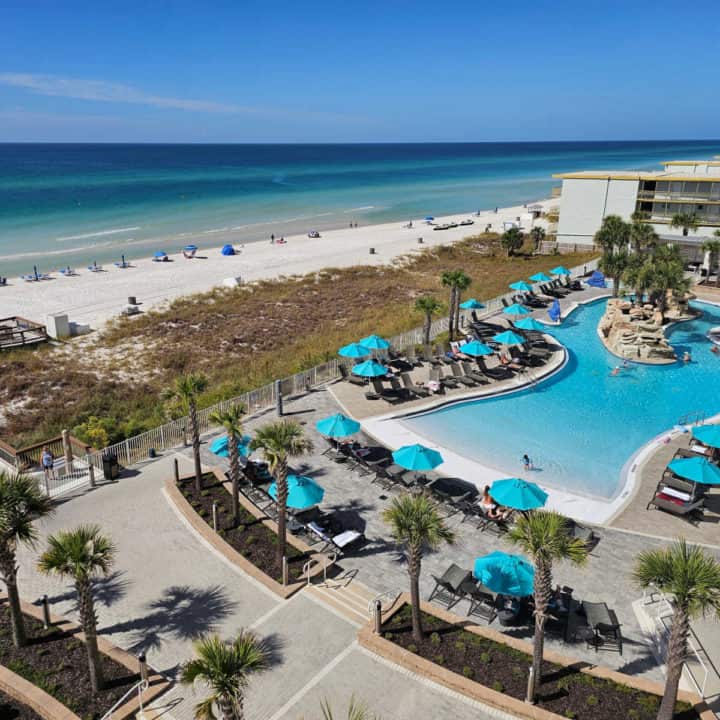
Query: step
pixel 334 603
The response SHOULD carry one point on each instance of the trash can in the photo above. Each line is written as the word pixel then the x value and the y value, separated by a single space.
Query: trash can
pixel 111 466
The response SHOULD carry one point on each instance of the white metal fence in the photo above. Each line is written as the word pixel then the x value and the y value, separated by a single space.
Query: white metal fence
pixel 174 434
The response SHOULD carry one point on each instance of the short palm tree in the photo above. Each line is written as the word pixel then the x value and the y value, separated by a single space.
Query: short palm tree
pixel 545 537
pixel 356 711
pixel 691 580
pixel 613 235
pixel 21 502
pixel 231 420
pixel 279 441
pixel 538 235
pixel 226 669
pixel 512 239
pixel 415 522
pixel 614 265
pixel 642 234
pixel 81 555
pixel 186 390
pixel 713 247
pixel 686 221
pixel 427 305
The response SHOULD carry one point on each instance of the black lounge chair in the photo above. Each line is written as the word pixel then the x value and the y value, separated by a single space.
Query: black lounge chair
pixel 482 600
pixel 390 396
pixel 444 380
pixel 444 594
pixel 496 373
pixel 460 377
pixel 416 390
pixel 472 374
pixel 346 375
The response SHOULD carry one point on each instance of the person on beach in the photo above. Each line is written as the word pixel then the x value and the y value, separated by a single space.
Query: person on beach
pixel 490 507
pixel 272 238
pixel 687 358
pixel 527 462
pixel 615 371
pixel 47 460
pixel 715 349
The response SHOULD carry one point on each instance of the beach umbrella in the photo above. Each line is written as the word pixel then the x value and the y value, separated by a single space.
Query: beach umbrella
pixel 509 338
pixel 428 218
pixel 560 270
pixel 516 309
pixel 191 248
pixel 518 494
pixel 35 271
pixel 303 492
pixel 227 250
pixel 540 277
pixel 354 350
pixel 369 368
pixel 505 573
pixel 375 342
pixel 476 348
pixel 554 312
pixel 520 286
pixel 528 323
pixel 160 254
pixel 337 426
pixel 708 434
pixel 219 446
pixel 417 457
pixel 698 469
pixel 471 304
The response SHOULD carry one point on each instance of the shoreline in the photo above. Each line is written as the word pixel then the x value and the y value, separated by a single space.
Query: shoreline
pixel 93 298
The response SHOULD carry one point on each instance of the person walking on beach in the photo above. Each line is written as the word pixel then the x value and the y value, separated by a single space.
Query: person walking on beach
pixel 47 460
pixel 527 462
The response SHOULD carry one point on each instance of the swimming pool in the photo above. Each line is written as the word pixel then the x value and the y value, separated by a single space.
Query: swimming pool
pixel 582 425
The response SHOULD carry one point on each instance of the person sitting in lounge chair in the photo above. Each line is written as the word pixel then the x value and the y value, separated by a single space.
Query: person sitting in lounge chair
pixel 455 352
pixel 491 508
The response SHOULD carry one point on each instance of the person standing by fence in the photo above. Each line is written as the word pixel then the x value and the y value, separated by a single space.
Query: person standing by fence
pixel 47 460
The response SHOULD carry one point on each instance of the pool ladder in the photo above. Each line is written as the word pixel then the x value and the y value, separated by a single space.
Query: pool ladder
pixel 692 418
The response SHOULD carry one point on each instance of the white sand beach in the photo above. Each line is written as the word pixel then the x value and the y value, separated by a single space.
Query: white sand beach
pixel 91 298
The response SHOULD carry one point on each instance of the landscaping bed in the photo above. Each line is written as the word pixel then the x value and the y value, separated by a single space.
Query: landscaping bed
pixel 256 542
pixel 565 690
pixel 56 662
pixel 12 710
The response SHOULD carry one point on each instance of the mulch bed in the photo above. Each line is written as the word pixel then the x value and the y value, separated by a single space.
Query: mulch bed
pixel 564 691
pixel 57 663
pixel 12 710
pixel 255 542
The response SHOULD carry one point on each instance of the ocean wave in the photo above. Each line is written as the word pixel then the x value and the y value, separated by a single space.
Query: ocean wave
pixel 358 209
pixel 64 251
pixel 100 233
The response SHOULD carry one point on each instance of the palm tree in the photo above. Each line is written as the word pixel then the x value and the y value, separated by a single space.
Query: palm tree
pixel 80 555
pixel 427 305
pixel 457 281
pixel 665 271
pixel 225 668
pixel 544 536
pixel 686 221
pixel 356 711
pixel 462 283
pixel 512 239
pixel 614 264
pixel 415 522
pixel 186 390
pixel 613 235
pixel 642 235
pixel 231 420
pixel 691 580
pixel 713 247
pixel 21 502
pixel 538 235
pixel 279 441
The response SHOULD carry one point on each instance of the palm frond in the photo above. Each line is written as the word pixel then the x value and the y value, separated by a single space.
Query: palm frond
pixel 545 536
pixel 21 502
pixel 80 553
pixel 414 520
pixel 280 440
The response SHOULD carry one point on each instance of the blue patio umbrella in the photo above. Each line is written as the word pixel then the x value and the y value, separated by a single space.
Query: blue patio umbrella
pixel 554 312
pixel 369 368
pixel 520 286
pixel 540 277
pixel 516 309
pixel 417 457
pixel 560 270
pixel 303 492
pixel 375 342
pixel 518 494
pixel 191 248
pixel 509 338
pixel 354 350
pixel 160 254
pixel 708 434
pixel 476 348
pixel 698 469
pixel 219 446
pixel 337 426
pixel 505 573
pixel 428 218
pixel 528 323
pixel 471 304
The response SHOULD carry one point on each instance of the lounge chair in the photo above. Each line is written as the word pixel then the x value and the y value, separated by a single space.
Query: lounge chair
pixel 444 594
pixel 496 373
pixel 346 375
pixel 445 382
pixel 417 390
pixel 390 396
pixel 467 368
pixel 460 377
pixel 339 543
pixel 675 506
pixel 482 600
pixel 402 392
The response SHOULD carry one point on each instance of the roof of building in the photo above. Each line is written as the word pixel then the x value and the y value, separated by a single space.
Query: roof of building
pixel 633 175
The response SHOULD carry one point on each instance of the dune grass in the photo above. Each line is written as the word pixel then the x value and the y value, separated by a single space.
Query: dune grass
pixel 240 338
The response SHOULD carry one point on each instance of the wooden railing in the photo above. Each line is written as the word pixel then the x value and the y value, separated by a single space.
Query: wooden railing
pixel 17 331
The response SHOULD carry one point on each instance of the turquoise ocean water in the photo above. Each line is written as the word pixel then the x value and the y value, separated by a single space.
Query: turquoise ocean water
pixel 69 204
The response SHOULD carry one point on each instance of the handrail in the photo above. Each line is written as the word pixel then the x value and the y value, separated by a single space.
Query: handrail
pixel 696 417
pixel 141 686
pixel 379 598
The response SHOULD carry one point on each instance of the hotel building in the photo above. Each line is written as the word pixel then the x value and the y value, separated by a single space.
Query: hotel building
pixel 684 186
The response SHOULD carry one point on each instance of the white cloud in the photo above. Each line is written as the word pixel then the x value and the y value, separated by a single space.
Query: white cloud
pixel 102 91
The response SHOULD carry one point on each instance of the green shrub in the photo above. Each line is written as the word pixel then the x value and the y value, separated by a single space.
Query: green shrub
pixel 592 700
pixel 412 648
pixel 460 646
pixel 467 671
pixel 440 659
pixel 485 657
pixel 434 639
pixel 633 714
pixel 389 636
pixel 518 670
pixel 650 703
pixel 205 493
pixel 498 686
pixel 570 714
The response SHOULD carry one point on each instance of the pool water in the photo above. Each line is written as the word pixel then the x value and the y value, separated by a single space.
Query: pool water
pixel 582 425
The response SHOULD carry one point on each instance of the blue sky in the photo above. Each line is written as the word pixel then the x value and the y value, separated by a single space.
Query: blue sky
pixel 354 71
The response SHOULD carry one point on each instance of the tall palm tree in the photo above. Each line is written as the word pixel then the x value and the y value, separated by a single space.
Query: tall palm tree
pixel 226 669
pixel 427 305
pixel 457 281
pixel 21 502
pixel 613 235
pixel 614 264
pixel 415 522
pixel 231 420
pixel 642 235
pixel 691 580
pixel 81 555
pixel 462 283
pixel 713 247
pixel 686 221
pixel 538 235
pixel 279 441
pixel 544 536
pixel 186 390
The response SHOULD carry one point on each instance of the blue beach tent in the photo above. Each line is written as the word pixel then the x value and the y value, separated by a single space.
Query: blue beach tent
pixel 227 250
